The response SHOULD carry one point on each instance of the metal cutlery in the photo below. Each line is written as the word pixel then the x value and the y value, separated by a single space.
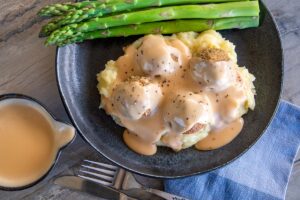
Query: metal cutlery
pixel 96 189
pixel 118 178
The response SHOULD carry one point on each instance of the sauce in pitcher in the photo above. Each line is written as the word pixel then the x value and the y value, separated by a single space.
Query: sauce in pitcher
pixel 29 142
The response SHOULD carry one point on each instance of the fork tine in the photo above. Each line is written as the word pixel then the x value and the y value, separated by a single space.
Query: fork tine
pixel 102 164
pixel 95 180
pixel 98 172
pixel 104 177
pixel 104 171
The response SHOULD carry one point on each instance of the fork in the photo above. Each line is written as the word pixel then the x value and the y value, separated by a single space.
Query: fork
pixel 113 176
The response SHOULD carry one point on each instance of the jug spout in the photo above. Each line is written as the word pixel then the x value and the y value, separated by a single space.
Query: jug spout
pixel 64 133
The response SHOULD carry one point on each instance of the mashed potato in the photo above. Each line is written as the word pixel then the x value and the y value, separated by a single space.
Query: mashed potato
pixel 106 78
pixel 195 41
pixel 110 78
pixel 207 39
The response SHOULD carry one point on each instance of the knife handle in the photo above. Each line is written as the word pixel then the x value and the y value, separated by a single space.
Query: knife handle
pixel 165 195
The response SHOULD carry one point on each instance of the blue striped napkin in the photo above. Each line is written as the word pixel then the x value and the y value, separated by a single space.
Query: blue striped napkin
pixel 261 173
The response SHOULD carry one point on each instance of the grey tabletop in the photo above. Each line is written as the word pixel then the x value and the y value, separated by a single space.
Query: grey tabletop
pixel 27 66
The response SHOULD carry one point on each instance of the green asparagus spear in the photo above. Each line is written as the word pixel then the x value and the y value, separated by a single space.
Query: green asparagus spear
pixel 103 9
pixel 210 11
pixel 63 8
pixel 166 27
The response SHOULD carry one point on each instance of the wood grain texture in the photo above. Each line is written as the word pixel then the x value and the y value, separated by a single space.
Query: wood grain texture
pixel 27 67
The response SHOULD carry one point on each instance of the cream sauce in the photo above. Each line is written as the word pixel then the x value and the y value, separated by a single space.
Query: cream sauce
pixel 29 141
pixel 222 136
pixel 155 129
pixel 138 145
pixel 173 140
pixel 148 131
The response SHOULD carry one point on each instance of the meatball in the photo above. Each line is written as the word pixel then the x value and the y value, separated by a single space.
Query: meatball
pixel 136 97
pixel 187 110
pixel 213 69
pixel 156 58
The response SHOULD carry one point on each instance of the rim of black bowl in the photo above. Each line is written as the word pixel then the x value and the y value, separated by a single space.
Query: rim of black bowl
pixel 25 97
pixel 263 9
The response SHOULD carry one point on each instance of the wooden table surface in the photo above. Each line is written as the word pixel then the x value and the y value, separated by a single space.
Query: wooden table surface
pixel 27 67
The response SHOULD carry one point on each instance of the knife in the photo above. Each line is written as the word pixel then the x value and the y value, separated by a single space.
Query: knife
pixel 96 189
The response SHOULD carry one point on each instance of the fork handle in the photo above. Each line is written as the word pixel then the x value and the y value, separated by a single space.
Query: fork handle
pixel 165 195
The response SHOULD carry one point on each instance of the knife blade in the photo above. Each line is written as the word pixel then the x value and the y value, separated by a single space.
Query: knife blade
pixel 79 184
pixel 96 189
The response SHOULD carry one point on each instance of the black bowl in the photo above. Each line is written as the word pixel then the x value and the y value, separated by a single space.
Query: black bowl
pixel 77 65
